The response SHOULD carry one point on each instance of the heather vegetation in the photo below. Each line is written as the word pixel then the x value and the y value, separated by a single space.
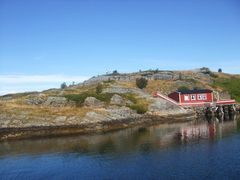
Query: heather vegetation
pixel 139 108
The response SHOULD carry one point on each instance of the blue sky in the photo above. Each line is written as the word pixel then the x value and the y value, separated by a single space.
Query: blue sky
pixel 71 40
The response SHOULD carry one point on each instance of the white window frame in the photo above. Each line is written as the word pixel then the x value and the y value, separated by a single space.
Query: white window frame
pixel 202 97
pixel 186 98
pixel 193 97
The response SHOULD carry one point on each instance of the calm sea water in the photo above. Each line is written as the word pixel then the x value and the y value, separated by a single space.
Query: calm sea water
pixel 195 150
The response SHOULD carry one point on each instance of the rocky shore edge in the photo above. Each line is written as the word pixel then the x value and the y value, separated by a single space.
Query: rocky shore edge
pixel 90 128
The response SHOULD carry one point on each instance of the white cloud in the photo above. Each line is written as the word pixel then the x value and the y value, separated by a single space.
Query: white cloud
pixel 15 79
pixel 23 83
pixel 2 92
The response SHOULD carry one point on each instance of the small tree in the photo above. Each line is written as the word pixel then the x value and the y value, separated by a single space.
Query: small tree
pixel 180 76
pixel 63 85
pixel 205 70
pixel 196 88
pixel 156 70
pixel 220 70
pixel 99 88
pixel 115 72
pixel 141 82
pixel 183 88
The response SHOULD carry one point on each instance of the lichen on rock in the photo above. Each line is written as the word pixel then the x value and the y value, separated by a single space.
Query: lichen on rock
pixel 119 100
pixel 93 102
pixel 58 102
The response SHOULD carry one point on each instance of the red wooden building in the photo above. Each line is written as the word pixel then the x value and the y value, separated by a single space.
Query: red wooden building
pixel 192 97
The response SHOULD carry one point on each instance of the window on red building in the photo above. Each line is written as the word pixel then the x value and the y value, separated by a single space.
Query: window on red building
pixel 193 97
pixel 202 97
pixel 186 97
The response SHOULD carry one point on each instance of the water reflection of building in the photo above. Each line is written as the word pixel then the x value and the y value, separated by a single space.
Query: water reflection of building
pixel 211 130
pixel 128 140
pixel 198 132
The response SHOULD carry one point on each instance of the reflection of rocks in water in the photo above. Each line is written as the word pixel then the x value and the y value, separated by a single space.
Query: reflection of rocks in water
pixel 142 129
pixel 209 120
pixel 81 148
pixel 143 139
pixel 140 135
pixel 219 118
pixel 226 117
pixel 107 146
pixel 232 117
pixel 145 148
pixel 238 125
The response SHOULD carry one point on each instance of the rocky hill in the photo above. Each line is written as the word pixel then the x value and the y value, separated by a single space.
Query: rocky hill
pixel 168 81
pixel 109 101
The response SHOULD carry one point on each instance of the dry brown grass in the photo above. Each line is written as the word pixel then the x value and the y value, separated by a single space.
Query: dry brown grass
pixel 224 75
pixel 126 84
pixel 14 108
pixel 82 89
pixel 163 86
pixel 70 90
pixel 79 89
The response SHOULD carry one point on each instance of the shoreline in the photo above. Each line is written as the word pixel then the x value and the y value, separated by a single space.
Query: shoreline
pixel 91 128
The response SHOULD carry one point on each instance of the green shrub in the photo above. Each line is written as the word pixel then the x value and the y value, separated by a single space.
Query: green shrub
pixel 180 76
pixel 106 97
pixel 109 81
pixel 141 82
pixel 99 88
pixel 63 85
pixel 130 97
pixel 197 88
pixel 231 85
pixel 183 88
pixel 141 109
pixel 115 72
pixel 80 98
pixel 156 70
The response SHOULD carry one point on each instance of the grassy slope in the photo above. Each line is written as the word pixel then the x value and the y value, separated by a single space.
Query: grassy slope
pixel 139 104
pixel 220 82
pixel 230 84
pixel 18 107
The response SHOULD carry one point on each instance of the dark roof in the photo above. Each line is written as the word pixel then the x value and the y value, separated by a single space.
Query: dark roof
pixel 194 91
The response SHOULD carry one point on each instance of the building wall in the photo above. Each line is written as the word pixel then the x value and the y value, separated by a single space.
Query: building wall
pixel 193 98
pixel 174 96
